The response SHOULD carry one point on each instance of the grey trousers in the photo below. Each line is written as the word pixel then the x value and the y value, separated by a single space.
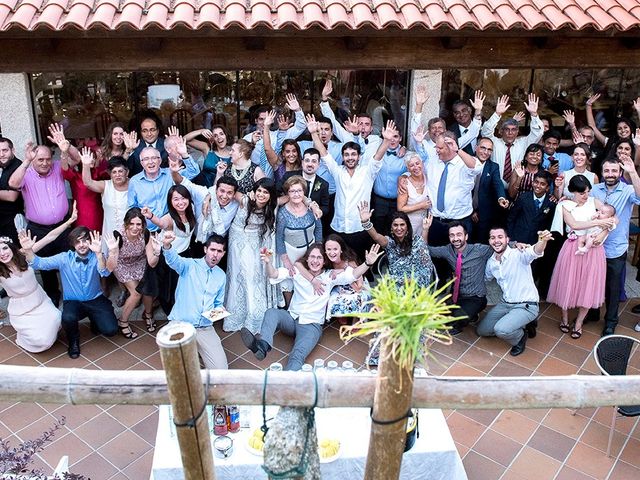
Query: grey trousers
pixel 306 335
pixel 507 321
pixel 210 349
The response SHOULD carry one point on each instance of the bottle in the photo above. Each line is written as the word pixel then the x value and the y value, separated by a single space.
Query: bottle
pixel 318 364
pixel 332 365
pixel 234 418
pixel 275 367
pixel 220 420
pixel 347 367
pixel 306 367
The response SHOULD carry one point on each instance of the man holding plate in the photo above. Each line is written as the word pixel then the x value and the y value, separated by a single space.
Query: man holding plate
pixel 199 295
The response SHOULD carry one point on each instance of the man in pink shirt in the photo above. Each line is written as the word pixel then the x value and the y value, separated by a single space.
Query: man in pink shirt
pixel 40 180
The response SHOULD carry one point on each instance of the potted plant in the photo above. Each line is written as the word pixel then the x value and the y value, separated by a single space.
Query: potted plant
pixel 405 319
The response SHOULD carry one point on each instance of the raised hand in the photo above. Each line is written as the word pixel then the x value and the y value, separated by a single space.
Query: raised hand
pixel 256 136
pixel 131 141
pixel 221 167
pixel 502 105
pixel 26 240
pixel 57 136
pixel 327 89
pixel 173 131
pixel 636 105
pixel 427 221
pixel 478 100
pixel 578 138
pixel 29 152
pixel 420 134
pixel 636 138
pixel 519 116
pixel 168 236
pixel 95 244
pixel 451 143
pixel 181 147
pixel 351 125
pixel 532 104
pixel 373 254
pixel 110 241
pixel 292 102
pixel 146 212
pixel 206 133
pixel 312 125
pixel 545 236
pixel 269 119
pixel 592 99
pixel 365 213
pixel 390 131
pixel 627 163
pixel 421 94
pixel 74 214
pixel 175 165
pixel 283 123
pixel 86 156
pixel 519 170
pixel 569 117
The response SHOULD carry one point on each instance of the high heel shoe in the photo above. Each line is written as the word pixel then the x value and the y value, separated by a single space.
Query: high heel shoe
pixel 126 331
pixel 150 321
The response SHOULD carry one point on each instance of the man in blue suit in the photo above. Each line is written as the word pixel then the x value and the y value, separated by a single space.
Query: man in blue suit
pixel 151 135
pixel 488 194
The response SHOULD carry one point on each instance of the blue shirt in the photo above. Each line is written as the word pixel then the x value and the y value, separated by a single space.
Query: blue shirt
pixel 335 149
pixel 622 198
pixel 565 162
pixel 200 288
pixel 386 183
pixel 80 281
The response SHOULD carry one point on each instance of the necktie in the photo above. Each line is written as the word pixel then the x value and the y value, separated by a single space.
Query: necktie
pixel 392 152
pixel 456 283
pixel 538 203
pixel 506 175
pixel 442 186
pixel 551 160
pixel 82 260
pixel 464 132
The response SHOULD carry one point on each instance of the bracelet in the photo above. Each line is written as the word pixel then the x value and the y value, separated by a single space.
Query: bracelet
pixel 368 225
pixel 365 262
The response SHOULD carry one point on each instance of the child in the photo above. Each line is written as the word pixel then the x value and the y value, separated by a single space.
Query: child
pixel 587 237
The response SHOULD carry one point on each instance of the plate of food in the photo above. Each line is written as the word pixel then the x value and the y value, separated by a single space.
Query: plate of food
pixel 216 314
pixel 329 449
pixel 255 443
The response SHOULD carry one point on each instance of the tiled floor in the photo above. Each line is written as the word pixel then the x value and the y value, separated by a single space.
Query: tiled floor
pixel 116 442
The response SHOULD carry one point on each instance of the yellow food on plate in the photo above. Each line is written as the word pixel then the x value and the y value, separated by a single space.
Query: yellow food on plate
pixel 258 433
pixel 256 443
pixel 329 448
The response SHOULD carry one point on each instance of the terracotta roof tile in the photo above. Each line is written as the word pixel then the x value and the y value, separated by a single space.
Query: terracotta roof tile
pixel 545 15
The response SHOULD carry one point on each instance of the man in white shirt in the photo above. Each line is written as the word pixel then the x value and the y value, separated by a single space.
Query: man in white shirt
pixel 509 149
pixel 353 184
pixel 467 127
pixel 305 316
pixel 435 126
pixel 513 319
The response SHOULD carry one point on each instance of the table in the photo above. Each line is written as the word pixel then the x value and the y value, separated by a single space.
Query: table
pixel 434 455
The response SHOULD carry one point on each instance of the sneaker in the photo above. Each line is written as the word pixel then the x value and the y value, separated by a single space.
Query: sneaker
pixel 453 331
pixel 637 327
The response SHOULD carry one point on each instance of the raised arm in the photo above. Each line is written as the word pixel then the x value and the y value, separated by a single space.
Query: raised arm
pixel 630 169
pixel 164 222
pixel 365 219
pixel 265 258
pixel 272 156
pixel 312 126
pixel 153 249
pixel 69 155
pixel 370 259
pixel 56 232
pixel 489 127
pixel 18 175
pixel 87 158
pixel 341 132
pixel 592 121
pixel 543 238
pixel 536 129
pixel 191 139
pixel 387 135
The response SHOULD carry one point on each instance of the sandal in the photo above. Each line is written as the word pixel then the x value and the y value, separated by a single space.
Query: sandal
pixel 564 327
pixel 576 334
pixel 149 320
pixel 126 331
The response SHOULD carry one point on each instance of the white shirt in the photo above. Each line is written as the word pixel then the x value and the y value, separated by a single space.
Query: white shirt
pixel 220 218
pixel 458 200
pixel 518 147
pixel 306 305
pixel 513 274
pixel 471 137
pixel 350 191
pixel 427 144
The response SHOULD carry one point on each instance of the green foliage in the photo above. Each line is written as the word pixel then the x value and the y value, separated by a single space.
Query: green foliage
pixel 408 318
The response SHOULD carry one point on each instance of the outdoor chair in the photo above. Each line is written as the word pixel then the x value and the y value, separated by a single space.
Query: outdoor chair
pixel 612 354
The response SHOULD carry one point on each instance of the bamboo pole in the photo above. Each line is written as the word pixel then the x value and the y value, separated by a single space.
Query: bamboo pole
pixel 178 350
pixel 244 387
pixel 391 402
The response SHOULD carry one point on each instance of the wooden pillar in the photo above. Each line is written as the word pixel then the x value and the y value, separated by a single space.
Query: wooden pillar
pixel 178 350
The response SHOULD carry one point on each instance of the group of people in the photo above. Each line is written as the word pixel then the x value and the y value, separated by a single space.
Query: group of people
pixel 279 230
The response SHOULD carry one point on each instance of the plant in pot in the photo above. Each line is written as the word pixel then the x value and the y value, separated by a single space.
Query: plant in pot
pixel 405 319
pixel 15 462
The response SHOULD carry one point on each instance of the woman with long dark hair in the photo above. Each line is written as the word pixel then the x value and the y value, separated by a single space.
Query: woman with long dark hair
pixel 522 180
pixel 113 143
pixel 283 158
pixel 249 293
pixel 216 148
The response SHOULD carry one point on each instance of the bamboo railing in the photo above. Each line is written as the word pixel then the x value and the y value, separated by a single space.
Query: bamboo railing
pixel 186 388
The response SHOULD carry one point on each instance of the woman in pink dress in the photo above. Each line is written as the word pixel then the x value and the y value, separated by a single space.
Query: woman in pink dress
pixel 578 281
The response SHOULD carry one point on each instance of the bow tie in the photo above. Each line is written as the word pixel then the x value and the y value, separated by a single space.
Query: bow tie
pixel 366 141
pixel 82 260
pixel 392 152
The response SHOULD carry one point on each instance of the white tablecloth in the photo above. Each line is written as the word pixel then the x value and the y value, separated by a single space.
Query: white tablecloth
pixel 433 457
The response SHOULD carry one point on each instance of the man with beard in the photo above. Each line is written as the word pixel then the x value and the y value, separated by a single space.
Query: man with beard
pixel 512 319
pixel 622 197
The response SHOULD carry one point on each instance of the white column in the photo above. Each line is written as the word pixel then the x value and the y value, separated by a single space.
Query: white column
pixel 16 113
pixel 433 81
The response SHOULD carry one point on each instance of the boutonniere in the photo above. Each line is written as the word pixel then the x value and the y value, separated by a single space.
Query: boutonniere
pixel 546 210
pixel 316 186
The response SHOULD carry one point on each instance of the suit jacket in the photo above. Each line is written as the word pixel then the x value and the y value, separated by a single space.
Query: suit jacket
pixel 319 192
pixel 490 189
pixel 455 129
pixel 134 159
pixel 525 219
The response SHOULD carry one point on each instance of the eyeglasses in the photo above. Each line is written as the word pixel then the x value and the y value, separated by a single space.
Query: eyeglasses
pixel 149 130
pixel 296 191
pixel 146 159
pixel 485 149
